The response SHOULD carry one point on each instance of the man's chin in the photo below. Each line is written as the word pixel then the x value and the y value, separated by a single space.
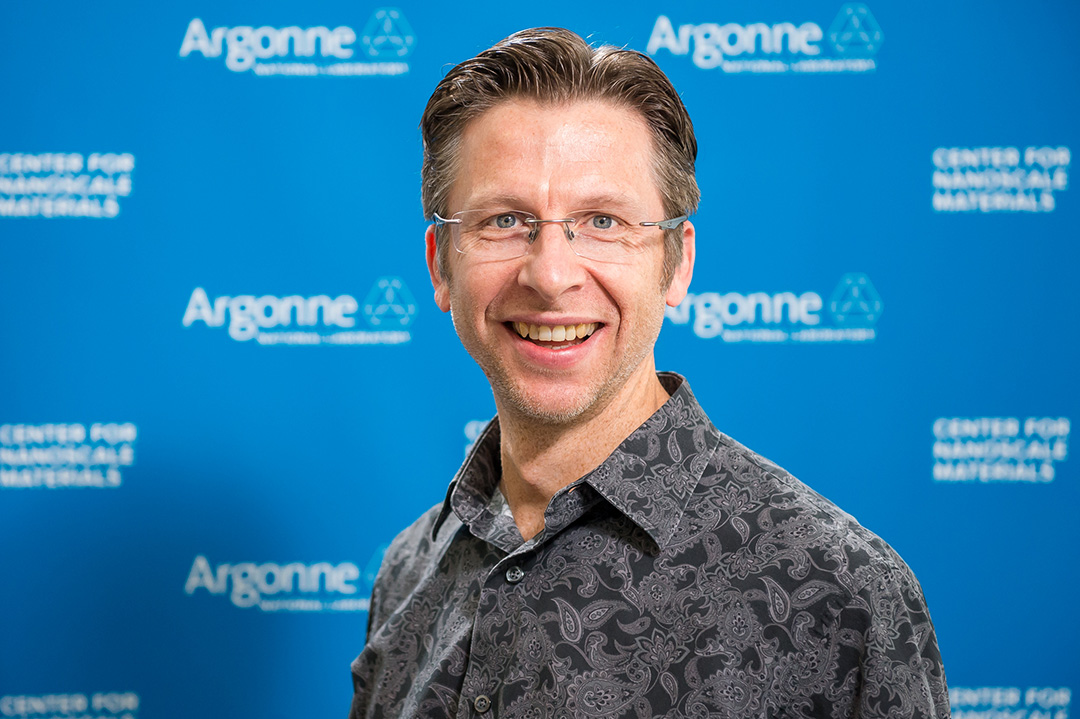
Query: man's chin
pixel 553 406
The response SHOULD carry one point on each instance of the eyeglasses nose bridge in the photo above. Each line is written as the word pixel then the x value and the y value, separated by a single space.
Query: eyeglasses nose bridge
pixel 536 222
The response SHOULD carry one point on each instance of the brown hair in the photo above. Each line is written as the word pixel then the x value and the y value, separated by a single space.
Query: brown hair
pixel 553 65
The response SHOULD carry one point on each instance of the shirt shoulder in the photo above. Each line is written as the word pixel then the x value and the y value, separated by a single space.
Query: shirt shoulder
pixel 772 507
pixel 410 556
pixel 806 569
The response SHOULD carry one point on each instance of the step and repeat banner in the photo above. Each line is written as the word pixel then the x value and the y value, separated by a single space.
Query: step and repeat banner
pixel 224 385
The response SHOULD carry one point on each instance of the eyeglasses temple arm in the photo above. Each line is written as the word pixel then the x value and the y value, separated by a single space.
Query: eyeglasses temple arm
pixel 667 224
pixel 440 221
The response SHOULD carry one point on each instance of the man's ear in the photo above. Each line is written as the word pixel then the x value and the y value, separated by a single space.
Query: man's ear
pixel 680 281
pixel 442 289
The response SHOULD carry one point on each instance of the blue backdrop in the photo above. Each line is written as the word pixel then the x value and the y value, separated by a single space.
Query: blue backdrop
pixel 218 347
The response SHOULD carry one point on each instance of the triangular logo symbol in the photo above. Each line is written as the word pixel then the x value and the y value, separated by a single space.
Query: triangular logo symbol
pixel 387 34
pixel 389 304
pixel 855 302
pixel 855 32
pixel 371 571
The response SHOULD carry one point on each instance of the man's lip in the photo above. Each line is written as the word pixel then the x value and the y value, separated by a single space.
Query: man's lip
pixel 554 356
pixel 551 321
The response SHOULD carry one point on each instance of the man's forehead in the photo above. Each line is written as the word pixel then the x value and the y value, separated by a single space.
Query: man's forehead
pixel 516 114
pixel 593 149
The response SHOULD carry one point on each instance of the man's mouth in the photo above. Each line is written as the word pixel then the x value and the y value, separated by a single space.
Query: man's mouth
pixel 555 335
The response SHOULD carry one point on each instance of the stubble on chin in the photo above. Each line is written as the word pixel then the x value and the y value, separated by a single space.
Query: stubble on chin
pixel 515 399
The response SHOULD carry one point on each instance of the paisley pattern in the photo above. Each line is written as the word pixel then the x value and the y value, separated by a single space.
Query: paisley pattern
pixel 684 577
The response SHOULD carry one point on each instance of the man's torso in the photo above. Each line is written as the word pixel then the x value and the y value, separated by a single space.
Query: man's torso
pixel 685 576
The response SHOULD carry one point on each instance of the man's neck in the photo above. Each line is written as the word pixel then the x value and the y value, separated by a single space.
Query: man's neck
pixel 539 459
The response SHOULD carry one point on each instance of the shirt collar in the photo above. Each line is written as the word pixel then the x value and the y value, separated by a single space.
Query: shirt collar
pixel 650 477
pixel 469 493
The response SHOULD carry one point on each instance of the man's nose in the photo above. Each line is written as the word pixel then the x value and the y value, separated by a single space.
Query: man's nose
pixel 551 268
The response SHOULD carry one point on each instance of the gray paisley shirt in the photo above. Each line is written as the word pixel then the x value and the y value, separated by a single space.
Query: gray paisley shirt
pixel 684 577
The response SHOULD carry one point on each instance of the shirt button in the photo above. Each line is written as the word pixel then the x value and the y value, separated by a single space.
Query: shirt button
pixel 515 574
pixel 481 703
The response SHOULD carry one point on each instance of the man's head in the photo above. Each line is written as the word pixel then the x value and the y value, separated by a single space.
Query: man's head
pixel 531 133
pixel 553 66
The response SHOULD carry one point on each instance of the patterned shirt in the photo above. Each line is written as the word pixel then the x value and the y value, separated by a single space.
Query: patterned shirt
pixel 685 577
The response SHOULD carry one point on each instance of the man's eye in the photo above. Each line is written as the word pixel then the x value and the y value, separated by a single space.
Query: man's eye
pixel 602 222
pixel 504 222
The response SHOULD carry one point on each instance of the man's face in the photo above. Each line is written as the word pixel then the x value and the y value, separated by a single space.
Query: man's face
pixel 552 160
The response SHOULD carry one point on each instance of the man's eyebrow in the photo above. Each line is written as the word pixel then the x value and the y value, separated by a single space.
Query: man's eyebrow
pixel 496 200
pixel 607 202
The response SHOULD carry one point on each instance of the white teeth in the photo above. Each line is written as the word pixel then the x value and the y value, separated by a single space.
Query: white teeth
pixel 555 333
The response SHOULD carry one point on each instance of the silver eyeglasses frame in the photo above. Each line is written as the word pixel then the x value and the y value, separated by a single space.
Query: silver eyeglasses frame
pixel 536 222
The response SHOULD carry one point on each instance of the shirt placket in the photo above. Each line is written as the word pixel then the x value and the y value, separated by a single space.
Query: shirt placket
pixel 496 628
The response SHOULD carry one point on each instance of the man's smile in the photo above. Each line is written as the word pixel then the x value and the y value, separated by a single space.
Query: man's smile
pixel 555 336
pixel 555 347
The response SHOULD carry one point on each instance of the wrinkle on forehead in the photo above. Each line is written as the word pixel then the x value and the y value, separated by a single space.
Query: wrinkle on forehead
pixel 555 156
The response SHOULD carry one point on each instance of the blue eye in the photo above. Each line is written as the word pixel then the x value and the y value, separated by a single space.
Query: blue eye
pixel 602 222
pixel 505 222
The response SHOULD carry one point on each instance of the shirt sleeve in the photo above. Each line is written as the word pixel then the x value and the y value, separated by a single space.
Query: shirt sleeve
pixel 894 665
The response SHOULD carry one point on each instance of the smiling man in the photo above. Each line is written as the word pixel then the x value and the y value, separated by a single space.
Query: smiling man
pixel 605 550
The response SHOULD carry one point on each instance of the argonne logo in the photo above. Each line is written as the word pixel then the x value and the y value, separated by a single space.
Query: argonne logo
pixel 387 40
pixel 315 320
pixel 854 37
pixel 292 587
pixel 780 317
pixel 855 32
pixel 248 584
